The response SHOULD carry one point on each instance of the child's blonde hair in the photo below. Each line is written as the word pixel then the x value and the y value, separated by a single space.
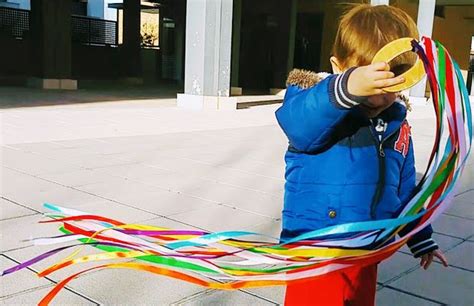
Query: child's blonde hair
pixel 364 29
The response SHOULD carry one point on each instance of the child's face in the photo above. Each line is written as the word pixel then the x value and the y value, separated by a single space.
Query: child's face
pixel 377 104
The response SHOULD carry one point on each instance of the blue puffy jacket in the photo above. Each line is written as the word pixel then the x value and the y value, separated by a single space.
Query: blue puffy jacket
pixel 342 166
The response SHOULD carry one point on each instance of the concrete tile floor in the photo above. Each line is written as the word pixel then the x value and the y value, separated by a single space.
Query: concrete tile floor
pixel 146 161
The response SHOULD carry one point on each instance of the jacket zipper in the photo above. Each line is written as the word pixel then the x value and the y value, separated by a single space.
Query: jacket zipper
pixel 381 181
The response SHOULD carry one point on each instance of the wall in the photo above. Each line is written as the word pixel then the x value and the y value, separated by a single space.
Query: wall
pixel 454 31
pixel 332 11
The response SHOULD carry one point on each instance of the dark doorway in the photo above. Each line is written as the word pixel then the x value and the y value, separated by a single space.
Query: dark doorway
pixel 308 40
pixel 257 47
pixel 264 45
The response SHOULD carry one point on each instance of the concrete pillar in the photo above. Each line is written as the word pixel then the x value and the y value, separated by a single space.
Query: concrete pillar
pixel 426 11
pixel 51 44
pixel 131 57
pixel 208 55
pixel 380 2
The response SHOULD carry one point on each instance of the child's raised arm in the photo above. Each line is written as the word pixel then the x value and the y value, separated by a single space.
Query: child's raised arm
pixel 309 116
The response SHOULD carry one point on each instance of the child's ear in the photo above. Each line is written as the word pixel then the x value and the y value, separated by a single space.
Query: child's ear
pixel 336 65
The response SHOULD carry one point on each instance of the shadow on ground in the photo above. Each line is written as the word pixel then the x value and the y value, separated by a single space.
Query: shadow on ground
pixel 88 92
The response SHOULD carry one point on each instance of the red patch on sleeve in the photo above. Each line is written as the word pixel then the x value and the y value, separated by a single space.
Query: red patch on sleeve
pixel 403 142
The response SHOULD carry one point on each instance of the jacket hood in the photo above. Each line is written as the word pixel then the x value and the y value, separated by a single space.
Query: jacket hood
pixel 305 79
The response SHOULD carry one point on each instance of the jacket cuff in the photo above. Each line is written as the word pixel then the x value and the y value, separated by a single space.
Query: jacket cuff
pixel 339 94
pixel 424 247
pixel 421 243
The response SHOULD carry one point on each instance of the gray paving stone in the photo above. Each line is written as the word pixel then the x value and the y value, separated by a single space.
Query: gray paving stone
pixel 255 167
pixel 107 148
pixel 275 294
pixel 175 181
pixel 198 154
pixel 28 253
pixel 454 226
pixel 34 163
pixel 387 297
pixel 165 222
pixel 64 298
pixel 10 210
pixel 241 198
pixel 95 161
pixel 163 142
pixel 158 202
pixel 461 209
pixel 467 197
pixel 462 256
pixel 142 156
pixel 78 143
pixel 166 203
pixel 16 233
pixel 395 266
pixel 221 218
pixel 18 282
pixel 117 188
pixel 127 287
pixel 466 181
pixel 225 298
pixel 180 165
pixel 70 154
pixel 14 181
pixel 271 228
pixel 39 148
pixel 241 179
pixel 35 196
pixel 113 210
pixel 133 171
pixel 448 285
pixel 78 177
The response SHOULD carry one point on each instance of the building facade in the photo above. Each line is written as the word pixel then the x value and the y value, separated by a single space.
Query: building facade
pixel 212 47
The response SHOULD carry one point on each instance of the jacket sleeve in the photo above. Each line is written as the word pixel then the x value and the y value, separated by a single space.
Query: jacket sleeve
pixel 309 116
pixel 421 243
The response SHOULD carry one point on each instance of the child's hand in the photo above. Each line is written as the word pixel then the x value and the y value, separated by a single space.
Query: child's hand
pixel 370 80
pixel 427 259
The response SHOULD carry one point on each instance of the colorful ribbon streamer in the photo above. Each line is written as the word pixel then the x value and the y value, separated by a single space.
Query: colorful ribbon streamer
pixel 225 261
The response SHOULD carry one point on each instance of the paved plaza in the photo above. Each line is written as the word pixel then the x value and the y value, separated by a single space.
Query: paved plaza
pixel 146 161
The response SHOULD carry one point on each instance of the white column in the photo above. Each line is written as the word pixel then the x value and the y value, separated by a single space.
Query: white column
pixel 426 11
pixel 208 55
pixel 379 2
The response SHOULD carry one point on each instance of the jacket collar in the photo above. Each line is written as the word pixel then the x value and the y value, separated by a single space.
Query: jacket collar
pixel 300 79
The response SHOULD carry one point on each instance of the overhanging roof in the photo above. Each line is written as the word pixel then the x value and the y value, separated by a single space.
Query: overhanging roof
pixel 144 6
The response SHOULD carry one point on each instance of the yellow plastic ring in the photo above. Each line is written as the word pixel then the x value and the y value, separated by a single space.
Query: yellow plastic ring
pixel 391 51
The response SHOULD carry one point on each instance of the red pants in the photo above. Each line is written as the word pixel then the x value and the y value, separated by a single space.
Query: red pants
pixel 354 286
